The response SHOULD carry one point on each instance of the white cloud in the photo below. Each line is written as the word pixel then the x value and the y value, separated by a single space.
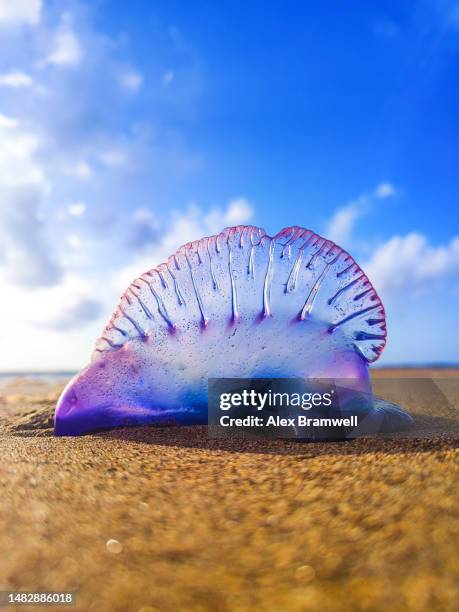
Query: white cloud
pixel 239 211
pixel 184 227
pixel 79 170
pixel 26 256
pixel 143 215
pixel 8 122
pixel 406 263
pixel 52 327
pixel 19 12
pixel 66 50
pixel 74 241
pixel 113 157
pixel 15 79
pixel 74 315
pixel 143 230
pixel 60 127
pixel 76 209
pixel 385 190
pixel 131 81
pixel 18 166
pixel 342 223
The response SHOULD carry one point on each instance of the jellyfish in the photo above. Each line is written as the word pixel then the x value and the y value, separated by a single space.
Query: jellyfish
pixel 239 304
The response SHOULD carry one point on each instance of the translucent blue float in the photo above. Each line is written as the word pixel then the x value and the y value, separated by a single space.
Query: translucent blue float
pixel 239 304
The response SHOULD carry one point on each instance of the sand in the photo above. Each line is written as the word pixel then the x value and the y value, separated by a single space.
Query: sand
pixel 163 519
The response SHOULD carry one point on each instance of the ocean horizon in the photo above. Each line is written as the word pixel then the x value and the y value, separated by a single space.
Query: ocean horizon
pixel 56 376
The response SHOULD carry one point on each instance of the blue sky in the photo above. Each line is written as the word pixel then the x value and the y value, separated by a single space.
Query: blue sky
pixel 127 129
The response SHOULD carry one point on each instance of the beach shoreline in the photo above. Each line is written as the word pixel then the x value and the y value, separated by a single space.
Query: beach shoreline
pixel 232 524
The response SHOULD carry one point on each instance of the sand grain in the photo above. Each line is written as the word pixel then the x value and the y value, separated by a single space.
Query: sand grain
pixel 229 525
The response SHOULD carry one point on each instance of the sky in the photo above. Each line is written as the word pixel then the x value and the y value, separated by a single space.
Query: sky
pixel 130 128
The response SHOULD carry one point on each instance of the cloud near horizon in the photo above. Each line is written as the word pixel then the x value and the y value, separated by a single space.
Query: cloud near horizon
pixel 403 264
pixel 409 263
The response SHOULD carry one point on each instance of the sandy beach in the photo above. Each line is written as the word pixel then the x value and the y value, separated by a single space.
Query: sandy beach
pixel 220 525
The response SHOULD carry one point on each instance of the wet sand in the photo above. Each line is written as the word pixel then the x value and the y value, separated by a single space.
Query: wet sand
pixel 369 524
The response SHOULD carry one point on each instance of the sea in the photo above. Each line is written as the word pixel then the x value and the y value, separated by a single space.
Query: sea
pixel 64 376
pixel 46 377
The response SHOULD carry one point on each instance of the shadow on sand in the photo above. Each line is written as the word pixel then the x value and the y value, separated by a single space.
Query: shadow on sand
pixel 428 434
